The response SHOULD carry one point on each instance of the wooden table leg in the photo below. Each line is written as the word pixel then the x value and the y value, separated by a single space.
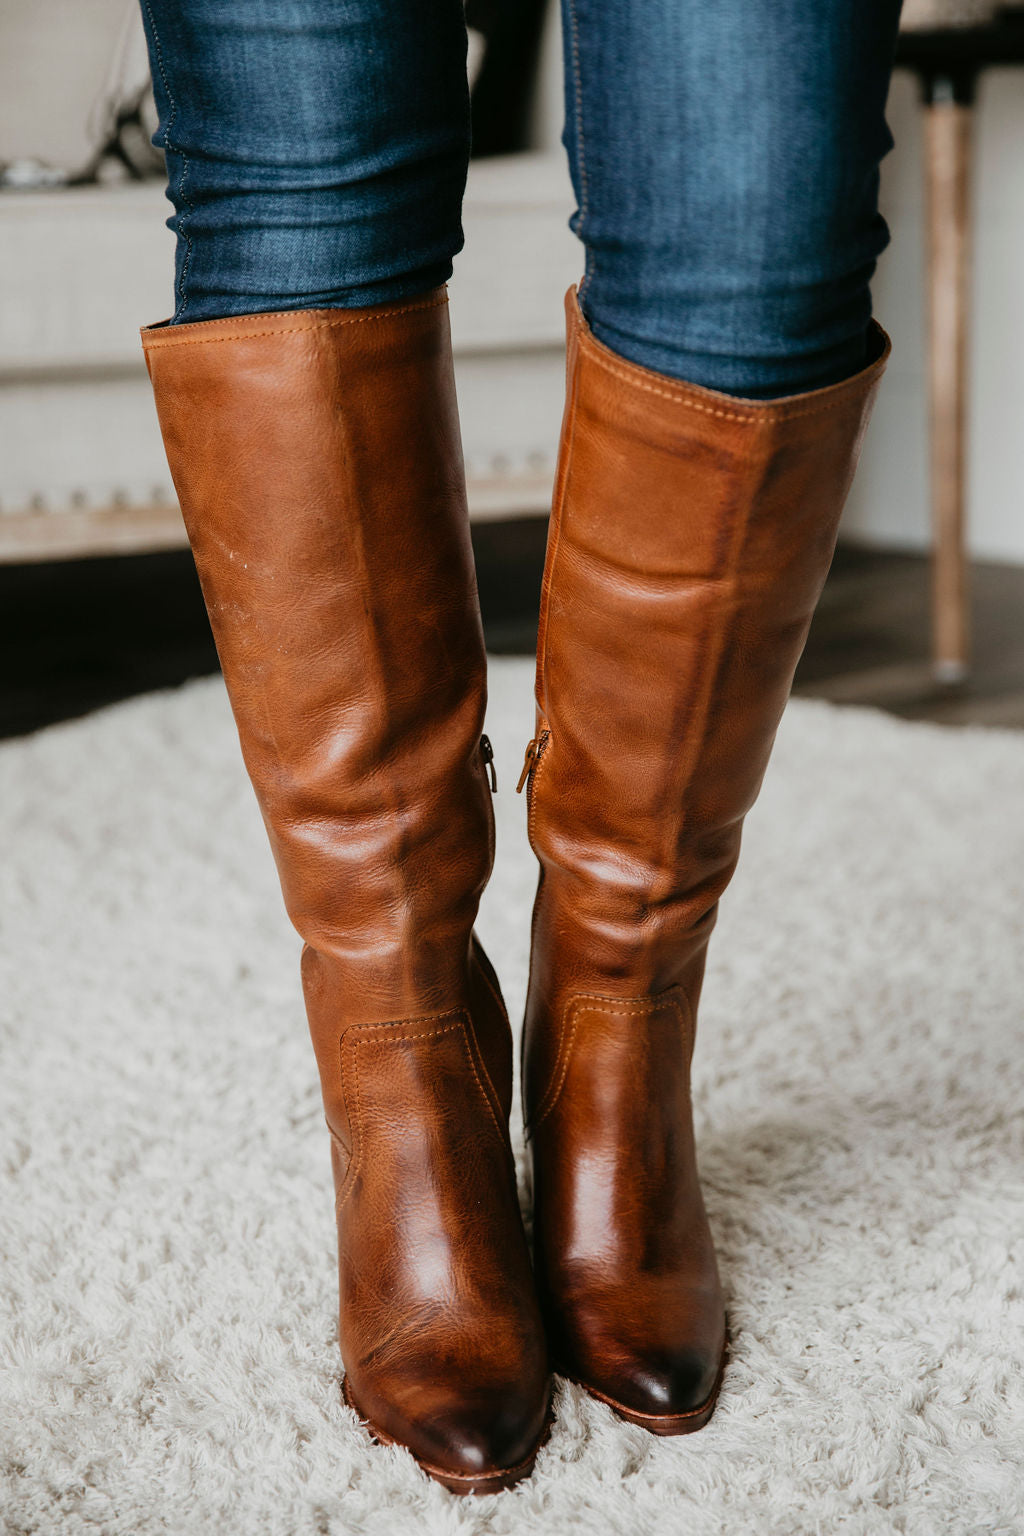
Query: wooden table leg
pixel 948 145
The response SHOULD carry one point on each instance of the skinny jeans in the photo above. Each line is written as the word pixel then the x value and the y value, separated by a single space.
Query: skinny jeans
pixel 724 156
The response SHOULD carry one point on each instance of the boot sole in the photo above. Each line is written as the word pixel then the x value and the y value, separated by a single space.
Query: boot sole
pixel 495 1481
pixel 663 1423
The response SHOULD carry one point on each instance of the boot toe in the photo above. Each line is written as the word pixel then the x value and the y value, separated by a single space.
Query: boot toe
pixel 478 1441
pixel 475 1444
pixel 669 1387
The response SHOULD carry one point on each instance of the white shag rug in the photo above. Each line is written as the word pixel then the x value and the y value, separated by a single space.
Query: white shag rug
pixel 167 1284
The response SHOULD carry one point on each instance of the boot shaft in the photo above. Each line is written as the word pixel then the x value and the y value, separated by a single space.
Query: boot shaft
pixel 318 464
pixel 691 535
pixel 690 538
pixel 317 459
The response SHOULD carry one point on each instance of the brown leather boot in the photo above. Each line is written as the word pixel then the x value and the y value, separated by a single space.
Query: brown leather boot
pixel 690 539
pixel 318 463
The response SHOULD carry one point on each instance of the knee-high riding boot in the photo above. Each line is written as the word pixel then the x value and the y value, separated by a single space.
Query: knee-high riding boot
pixel 690 538
pixel 318 464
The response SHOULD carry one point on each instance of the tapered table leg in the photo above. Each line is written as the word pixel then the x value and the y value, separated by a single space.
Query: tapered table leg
pixel 948 145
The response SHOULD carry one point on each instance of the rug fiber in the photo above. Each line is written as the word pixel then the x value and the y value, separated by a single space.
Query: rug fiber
pixel 168 1361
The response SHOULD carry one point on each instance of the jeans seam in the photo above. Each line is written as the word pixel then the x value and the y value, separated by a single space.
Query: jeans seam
pixel 577 73
pixel 182 194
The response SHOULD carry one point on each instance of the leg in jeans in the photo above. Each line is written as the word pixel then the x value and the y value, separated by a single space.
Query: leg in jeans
pixel 317 151
pixel 725 158
pixel 725 161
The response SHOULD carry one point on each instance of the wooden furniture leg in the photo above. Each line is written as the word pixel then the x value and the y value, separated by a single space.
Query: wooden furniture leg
pixel 948 143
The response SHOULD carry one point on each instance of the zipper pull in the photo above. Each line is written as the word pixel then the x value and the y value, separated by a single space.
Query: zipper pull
pixel 487 753
pixel 529 761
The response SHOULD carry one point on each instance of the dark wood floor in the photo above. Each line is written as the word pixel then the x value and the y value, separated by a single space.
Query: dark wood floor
pixel 82 634
pixel 870 642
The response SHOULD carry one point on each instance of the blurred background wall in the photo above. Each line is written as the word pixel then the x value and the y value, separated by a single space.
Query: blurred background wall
pixel 85 259
pixel 889 503
pixel 62 62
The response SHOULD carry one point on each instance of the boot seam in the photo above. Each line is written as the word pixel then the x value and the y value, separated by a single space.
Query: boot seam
pixel 754 414
pixel 173 338
pixel 340 1140
pixel 356 1121
pixel 479 1066
pixel 376 1034
pixel 499 1001
pixel 597 1002
pixel 558 516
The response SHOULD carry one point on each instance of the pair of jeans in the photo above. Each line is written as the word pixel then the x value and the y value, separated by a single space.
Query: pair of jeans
pixel 724 157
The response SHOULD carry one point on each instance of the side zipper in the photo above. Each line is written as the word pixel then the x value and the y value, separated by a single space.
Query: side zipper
pixel 534 750
pixel 487 753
